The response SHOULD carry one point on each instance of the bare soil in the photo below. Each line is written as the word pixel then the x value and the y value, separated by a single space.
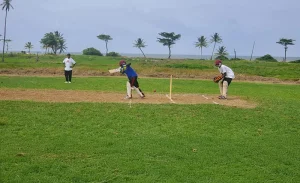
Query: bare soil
pixel 55 72
pixel 72 96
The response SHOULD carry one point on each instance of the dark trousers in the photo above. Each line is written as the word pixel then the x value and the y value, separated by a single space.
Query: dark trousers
pixel 68 75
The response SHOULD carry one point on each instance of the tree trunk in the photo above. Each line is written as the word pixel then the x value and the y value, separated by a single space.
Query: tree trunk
pixel 201 52
pixel 213 51
pixel 234 54
pixel 106 47
pixel 142 52
pixel 4 37
pixel 169 52
pixel 252 51
pixel 285 48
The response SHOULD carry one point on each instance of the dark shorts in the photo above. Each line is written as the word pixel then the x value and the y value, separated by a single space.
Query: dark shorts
pixel 228 80
pixel 133 82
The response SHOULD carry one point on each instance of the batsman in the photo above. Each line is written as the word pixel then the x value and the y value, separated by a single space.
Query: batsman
pixel 225 79
pixel 132 83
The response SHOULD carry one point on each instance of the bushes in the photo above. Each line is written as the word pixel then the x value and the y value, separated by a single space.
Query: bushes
pixel 113 54
pixel 92 51
pixel 267 58
pixel 295 61
pixel 222 58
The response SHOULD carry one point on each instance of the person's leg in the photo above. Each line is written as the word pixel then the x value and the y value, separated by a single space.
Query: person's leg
pixel 136 87
pixel 226 84
pixel 128 86
pixel 225 88
pixel 221 88
pixel 70 76
pixel 66 76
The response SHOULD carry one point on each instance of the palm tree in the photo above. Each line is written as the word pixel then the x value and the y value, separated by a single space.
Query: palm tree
pixel 202 42
pixel 285 43
pixel 139 43
pixel 28 46
pixel 221 52
pixel 215 39
pixel 105 38
pixel 5 5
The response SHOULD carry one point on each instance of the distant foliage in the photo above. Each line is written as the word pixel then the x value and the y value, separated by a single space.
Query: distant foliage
pixel 267 58
pixel 113 54
pixel 236 59
pixel 222 57
pixel 295 61
pixel 187 66
pixel 92 51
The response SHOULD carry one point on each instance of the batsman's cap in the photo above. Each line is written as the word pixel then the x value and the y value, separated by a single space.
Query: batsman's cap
pixel 68 54
pixel 122 62
pixel 218 62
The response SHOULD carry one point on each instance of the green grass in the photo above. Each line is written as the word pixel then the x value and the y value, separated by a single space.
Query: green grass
pixel 107 142
pixel 280 70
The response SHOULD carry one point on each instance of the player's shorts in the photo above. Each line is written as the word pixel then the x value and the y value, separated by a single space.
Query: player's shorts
pixel 228 80
pixel 133 82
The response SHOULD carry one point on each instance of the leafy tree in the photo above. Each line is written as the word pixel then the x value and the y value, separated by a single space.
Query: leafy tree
pixel 91 51
pixel 28 46
pixel 267 58
pixel 113 54
pixel 215 39
pixel 285 42
pixel 6 5
pixel 202 42
pixel 55 41
pixel 105 38
pixel 139 43
pixel 168 39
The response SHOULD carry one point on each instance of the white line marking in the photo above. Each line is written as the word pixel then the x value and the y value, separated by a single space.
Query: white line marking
pixel 204 97
pixel 215 102
pixel 170 99
pixel 129 103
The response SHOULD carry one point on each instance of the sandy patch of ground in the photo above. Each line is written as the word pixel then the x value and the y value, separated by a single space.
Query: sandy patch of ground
pixel 92 96
pixel 55 72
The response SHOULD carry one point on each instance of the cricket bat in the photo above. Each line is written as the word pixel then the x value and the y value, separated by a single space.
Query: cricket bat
pixel 114 70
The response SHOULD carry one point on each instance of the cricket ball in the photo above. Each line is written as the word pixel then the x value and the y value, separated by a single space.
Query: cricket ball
pixel 154 90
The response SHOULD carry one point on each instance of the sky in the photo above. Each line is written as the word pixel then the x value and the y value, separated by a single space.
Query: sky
pixel 238 22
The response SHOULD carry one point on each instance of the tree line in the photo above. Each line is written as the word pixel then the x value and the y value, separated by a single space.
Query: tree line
pixel 54 42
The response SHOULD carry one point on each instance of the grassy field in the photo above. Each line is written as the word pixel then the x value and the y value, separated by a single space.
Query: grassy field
pixel 110 142
pixel 154 67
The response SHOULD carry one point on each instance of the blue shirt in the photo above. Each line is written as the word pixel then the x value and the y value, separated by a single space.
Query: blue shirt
pixel 128 70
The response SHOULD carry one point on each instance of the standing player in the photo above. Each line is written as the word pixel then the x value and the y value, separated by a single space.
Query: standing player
pixel 69 64
pixel 132 82
pixel 228 75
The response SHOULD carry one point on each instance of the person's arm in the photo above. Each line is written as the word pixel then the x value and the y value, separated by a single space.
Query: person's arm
pixel 73 63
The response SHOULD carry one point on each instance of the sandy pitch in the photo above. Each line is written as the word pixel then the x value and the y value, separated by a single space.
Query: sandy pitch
pixel 108 97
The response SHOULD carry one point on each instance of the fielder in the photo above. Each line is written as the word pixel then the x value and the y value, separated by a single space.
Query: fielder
pixel 132 83
pixel 69 64
pixel 227 76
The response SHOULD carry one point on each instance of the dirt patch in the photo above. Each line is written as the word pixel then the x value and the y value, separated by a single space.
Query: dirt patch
pixel 106 97
pixel 55 72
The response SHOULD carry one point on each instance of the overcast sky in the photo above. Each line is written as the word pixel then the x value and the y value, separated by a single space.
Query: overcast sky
pixel 238 22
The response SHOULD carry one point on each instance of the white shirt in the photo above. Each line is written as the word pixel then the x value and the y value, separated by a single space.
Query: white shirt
pixel 69 62
pixel 229 72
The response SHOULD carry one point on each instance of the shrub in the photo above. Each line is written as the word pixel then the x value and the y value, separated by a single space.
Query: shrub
pixel 222 58
pixel 92 51
pixel 113 54
pixel 267 58
pixel 295 61
pixel 236 59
